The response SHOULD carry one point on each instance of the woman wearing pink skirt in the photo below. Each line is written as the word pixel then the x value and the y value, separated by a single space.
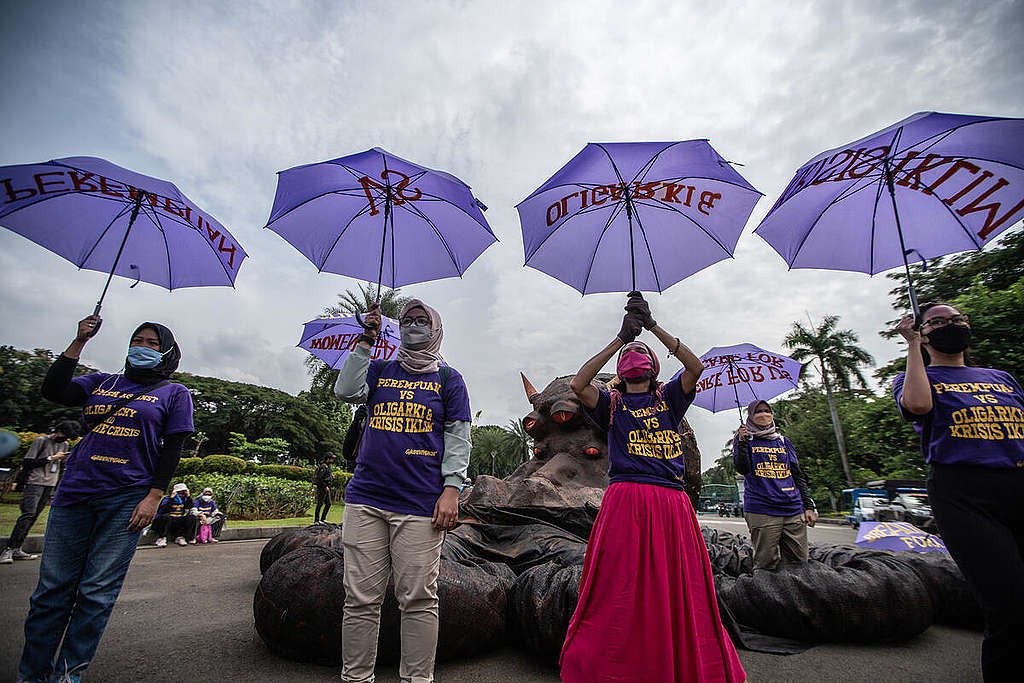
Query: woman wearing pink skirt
pixel 647 609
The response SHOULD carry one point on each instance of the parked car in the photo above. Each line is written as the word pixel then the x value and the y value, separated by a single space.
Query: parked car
pixel 865 509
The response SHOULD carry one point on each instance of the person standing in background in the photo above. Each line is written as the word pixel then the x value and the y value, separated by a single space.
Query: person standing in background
pixel 323 480
pixel 40 472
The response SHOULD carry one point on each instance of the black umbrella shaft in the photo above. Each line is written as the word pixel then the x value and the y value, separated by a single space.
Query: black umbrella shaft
pixel 903 246
pixel 131 221
pixel 384 239
pixel 736 393
pixel 629 217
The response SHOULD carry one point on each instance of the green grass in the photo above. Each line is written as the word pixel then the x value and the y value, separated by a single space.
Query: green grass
pixel 9 513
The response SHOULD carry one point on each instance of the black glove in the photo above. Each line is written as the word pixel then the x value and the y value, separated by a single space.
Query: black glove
pixel 631 328
pixel 637 305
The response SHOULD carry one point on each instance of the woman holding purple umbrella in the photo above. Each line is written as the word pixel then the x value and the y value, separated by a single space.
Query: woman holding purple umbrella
pixel 404 493
pixel 776 503
pixel 647 609
pixel 135 425
pixel 971 422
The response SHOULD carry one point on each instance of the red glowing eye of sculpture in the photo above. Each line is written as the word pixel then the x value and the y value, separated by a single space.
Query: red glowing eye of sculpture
pixel 528 423
pixel 536 451
pixel 562 416
pixel 592 451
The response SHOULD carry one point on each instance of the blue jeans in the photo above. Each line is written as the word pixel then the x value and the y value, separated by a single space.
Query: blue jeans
pixel 86 553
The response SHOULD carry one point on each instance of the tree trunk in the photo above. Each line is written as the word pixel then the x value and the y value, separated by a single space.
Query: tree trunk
pixel 840 441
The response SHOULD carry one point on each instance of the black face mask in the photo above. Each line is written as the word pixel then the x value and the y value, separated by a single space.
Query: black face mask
pixel 950 339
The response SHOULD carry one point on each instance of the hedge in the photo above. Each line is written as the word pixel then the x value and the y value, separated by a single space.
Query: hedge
pixel 247 496
pixel 223 464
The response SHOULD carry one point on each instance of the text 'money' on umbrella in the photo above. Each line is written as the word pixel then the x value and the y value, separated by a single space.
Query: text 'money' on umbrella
pixel 623 217
pixel 932 184
pixel 736 375
pixel 377 217
pixel 103 217
pixel 332 338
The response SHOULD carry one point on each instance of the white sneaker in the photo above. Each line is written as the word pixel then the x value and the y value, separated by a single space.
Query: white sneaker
pixel 20 554
pixel 7 556
pixel 161 542
pixel 180 541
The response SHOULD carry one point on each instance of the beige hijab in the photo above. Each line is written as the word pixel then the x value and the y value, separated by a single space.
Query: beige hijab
pixel 426 360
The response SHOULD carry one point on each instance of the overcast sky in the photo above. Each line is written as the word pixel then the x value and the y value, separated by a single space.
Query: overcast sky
pixel 218 97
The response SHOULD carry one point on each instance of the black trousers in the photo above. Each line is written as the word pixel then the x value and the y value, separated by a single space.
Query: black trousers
pixel 322 499
pixel 34 499
pixel 186 527
pixel 980 514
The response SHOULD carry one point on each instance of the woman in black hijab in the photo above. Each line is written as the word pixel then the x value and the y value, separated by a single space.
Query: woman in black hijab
pixel 135 424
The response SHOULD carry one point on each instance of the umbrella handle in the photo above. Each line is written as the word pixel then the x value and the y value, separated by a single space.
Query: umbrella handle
pixel 99 320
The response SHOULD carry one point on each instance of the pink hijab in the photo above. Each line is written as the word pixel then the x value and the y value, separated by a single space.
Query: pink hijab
pixel 426 360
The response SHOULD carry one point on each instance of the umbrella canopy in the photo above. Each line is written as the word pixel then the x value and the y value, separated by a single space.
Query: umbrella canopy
pixel 930 185
pixel 332 338
pixel 377 217
pixel 898 536
pixel 736 375
pixel 103 217
pixel 621 217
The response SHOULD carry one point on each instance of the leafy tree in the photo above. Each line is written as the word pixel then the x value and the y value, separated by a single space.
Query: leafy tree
pixel 518 440
pixel 724 472
pixel 984 284
pixel 491 452
pixel 21 378
pixel 268 449
pixel 839 360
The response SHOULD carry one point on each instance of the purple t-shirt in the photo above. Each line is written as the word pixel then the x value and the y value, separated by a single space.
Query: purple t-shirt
pixel 977 417
pixel 644 444
pixel 399 463
pixel 769 488
pixel 122 451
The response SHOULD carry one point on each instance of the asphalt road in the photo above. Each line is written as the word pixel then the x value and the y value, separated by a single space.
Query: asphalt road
pixel 186 614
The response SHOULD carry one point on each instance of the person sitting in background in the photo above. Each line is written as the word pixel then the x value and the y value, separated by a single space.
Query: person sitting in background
pixel 39 473
pixel 211 520
pixel 174 516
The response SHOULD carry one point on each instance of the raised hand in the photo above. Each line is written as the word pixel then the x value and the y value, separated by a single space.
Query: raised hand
pixel 631 328
pixel 87 327
pixel 907 330
pixel 635 303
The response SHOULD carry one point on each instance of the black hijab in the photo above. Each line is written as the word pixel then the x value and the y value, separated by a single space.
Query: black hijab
pixel 165 367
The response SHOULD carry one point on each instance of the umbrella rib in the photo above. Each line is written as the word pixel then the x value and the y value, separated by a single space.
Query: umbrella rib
pixel 842 195
pixel 617 210
pixel 320 266
pixel 593 257
pixel 654 268
pixel 103 233
pixel 437 232
pixel 644 202
pixel 167 248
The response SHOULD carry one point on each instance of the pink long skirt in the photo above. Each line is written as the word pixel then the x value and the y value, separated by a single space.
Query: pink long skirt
pixel 647 608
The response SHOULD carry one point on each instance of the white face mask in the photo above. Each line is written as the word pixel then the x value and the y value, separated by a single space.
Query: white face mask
pixel 206 499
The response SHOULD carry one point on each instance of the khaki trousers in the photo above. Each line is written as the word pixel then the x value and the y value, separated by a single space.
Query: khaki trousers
pixel 378 545
pixel 774 536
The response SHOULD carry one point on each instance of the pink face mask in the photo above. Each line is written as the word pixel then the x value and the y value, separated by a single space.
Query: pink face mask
pixel 633 365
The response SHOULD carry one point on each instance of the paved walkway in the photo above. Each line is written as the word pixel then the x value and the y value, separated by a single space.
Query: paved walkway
pixel 186 613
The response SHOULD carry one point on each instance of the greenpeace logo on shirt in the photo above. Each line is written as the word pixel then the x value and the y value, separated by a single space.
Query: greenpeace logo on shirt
pixel 420 451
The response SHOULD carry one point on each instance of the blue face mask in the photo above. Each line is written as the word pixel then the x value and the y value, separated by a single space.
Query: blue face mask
pixel 143 358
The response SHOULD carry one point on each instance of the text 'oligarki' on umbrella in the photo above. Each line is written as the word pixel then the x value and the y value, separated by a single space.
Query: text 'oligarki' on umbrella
pixel 377 217
pixel 103 217
pixel 627 216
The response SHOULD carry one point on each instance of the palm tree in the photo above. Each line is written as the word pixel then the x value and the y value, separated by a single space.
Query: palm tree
pixel 518 440
pixel 349 302
pixel 839 360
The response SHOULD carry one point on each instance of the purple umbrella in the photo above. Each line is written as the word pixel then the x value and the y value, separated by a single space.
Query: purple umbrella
pixel 898 536
pixel 621 217
pixel 103 217
pixel 332 338
pixel 957 181
pixel 736 375
pixel 377 217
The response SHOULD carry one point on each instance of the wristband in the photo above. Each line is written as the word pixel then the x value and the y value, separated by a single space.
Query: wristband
pixel 673 351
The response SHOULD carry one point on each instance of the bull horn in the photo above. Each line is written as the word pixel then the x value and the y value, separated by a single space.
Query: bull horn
pixel 531 393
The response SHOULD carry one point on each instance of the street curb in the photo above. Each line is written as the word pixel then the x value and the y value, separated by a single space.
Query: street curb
pixel 34 543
